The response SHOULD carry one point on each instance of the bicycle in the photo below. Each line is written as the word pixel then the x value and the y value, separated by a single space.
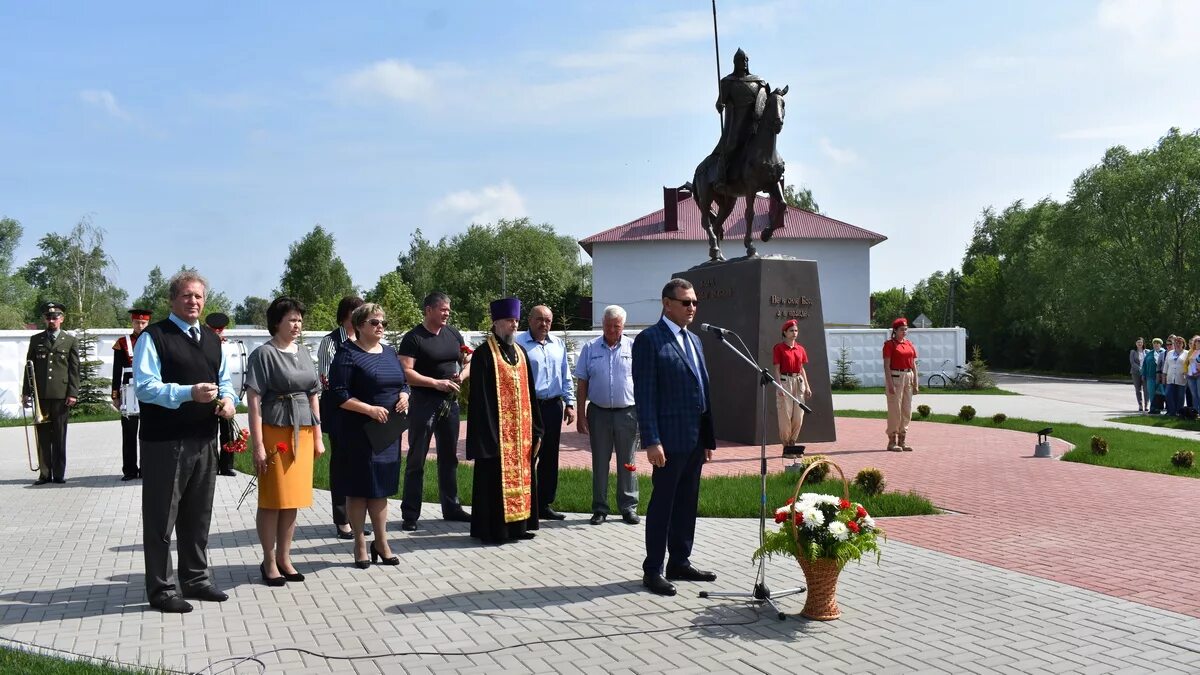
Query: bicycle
pixel 961 379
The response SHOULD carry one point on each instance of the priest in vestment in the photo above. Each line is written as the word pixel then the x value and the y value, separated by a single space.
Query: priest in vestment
pixel 504 429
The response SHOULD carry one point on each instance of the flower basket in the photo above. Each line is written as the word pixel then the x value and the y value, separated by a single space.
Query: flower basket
pixel 820 574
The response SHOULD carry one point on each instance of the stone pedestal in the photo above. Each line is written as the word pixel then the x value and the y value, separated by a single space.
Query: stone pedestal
pixel 754 297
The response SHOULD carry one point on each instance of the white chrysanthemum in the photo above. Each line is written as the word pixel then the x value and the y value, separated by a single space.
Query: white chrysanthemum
pixel 813 518
pixel 839 530
pixel 867 522
pixel 783 509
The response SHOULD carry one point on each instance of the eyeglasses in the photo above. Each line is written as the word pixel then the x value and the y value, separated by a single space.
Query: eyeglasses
pixel 55 315
pixel 378 322
pixel 687 303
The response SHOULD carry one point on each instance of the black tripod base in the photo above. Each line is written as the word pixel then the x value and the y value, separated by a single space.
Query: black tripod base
pixel 761 595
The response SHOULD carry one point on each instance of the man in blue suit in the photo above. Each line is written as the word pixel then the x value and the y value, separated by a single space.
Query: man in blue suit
pixel 670 384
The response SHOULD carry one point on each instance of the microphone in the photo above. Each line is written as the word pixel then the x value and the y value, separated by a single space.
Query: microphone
pixel 716 330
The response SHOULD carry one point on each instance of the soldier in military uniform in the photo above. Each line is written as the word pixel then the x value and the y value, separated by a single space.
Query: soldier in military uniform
pixel 122 373
pixel 738 100
pixel 218 322
pixel 55 356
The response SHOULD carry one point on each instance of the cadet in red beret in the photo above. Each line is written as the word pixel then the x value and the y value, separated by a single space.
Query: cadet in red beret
pixel 122 392
pixel 789 358
pixel 900 378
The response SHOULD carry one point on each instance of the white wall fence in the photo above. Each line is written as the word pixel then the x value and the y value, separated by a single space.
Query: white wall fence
pixel 939 348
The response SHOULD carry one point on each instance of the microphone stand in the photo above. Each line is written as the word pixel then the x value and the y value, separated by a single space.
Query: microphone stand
pixel 760 594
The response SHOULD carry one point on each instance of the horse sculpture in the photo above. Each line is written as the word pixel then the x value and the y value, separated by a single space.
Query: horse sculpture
pixel 757 168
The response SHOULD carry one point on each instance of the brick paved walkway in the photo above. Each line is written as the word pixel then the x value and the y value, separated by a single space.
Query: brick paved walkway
pixel 568 601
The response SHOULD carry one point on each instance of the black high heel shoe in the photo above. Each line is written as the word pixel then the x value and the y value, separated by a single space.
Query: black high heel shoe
pixel 376 555
pixel 295 576
pixel 270 581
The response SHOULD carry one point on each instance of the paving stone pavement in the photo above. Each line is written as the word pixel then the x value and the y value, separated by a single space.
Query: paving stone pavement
pixel 568 601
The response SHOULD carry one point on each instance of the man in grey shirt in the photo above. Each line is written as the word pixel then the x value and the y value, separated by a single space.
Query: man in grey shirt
pixel 604 386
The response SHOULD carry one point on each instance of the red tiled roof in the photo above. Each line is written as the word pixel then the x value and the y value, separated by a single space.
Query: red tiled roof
pixel 797 224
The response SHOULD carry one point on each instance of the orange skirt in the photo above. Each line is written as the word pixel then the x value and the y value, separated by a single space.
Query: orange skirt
pixel 287 482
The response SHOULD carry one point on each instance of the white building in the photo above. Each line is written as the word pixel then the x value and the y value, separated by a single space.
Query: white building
pixel 631 262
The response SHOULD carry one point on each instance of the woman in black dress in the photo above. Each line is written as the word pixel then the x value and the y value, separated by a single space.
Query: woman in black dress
pixel 366 379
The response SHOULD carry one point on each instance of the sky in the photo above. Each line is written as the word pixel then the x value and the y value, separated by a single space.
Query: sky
pixel 217 134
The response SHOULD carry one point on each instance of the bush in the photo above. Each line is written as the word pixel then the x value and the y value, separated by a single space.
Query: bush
pixel 999 418
pixel 870 480
pixel 1184 459
pixel 923 411
pixel 818 474
pixel 843 379
pixel 1099 446
pixel 978 376
pixel 966 413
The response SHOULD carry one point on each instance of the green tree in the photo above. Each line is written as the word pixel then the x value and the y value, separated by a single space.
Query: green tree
pixel 156 296
pixel 73 270
pixel 887 305
pixel 397 300
pixel 801 198
pixel 252 312
pixel 16 296
pixel 314 275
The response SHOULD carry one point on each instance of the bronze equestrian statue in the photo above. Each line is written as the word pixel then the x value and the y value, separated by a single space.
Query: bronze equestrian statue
pixel 744 162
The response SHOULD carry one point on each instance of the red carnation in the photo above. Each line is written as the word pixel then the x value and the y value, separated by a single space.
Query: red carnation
pixel 781 516
pixel 466 350
pixel 843 504
pixel 631 467
pixel 799 520
pixel 789 501
pixel 862 513
pixel 281 447
pixel 852 526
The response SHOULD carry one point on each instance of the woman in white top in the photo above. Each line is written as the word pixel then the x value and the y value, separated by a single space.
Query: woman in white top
pixel 1175 376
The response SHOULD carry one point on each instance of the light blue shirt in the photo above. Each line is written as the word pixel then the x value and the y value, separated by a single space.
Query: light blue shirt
pixel 551 375
pixel 608 372
pixel 147 374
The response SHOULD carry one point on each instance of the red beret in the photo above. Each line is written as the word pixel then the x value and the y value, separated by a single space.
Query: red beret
pixel 790 323
pixel 899 322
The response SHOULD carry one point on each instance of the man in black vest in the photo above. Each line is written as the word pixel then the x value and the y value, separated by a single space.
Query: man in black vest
pixel 183 385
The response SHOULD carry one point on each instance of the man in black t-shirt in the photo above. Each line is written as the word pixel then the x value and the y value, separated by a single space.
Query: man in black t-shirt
pixel 432 356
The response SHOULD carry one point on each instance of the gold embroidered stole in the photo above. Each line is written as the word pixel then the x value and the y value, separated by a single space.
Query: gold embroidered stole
pixel 514 417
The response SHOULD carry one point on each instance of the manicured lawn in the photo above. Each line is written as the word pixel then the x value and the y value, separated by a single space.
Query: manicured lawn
pixel 16 661
pixel 990 391
pixel 75 419
pixel 1126 449
pixel 720 496
pixel 1160 421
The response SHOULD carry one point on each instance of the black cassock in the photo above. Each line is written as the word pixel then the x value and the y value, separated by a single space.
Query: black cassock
pixel 483 446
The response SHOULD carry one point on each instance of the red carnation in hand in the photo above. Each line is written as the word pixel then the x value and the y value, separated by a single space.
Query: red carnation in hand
pixel 844 504
pixel 781 516
pixel 862 513
pixel 852 526
pixel 281 447
pixel 467 351
pixel 631 467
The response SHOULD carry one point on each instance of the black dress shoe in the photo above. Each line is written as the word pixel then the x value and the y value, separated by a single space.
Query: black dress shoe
pixel 41 481
pixel 598 518
pixel 125 478
pixel 459 516
pixel 206 593
pixel 348 534
pixel 376 556
pixel 526 535
pixel 171 604
pixel 547 513
pixel 270 581
pixel 227 472
pixel 408 525
pixel 630 518
pixel 362 564
pixel 658 585
pixel 690 573
pixel 60 481
pixel 295 576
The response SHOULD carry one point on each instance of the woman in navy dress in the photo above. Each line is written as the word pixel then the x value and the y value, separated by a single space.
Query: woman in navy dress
pixel 367 382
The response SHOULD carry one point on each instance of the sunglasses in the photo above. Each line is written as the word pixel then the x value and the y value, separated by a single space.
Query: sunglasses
pixel 55 315
pixel 687 303
pixel 378 322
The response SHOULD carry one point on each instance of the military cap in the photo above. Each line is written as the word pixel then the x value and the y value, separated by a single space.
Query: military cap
pixel 216 320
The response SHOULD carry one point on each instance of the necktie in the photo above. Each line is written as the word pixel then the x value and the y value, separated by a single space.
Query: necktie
pixel 195 333
pixel 691 356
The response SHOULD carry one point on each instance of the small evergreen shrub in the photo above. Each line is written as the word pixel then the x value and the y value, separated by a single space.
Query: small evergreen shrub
pixel 977 372
pixel 1184 459
pixel 999 418
pixel 870 480
pixel 1099 446
pixel 818 474
pixel 966 413
pixel 923 411
pixel 843 378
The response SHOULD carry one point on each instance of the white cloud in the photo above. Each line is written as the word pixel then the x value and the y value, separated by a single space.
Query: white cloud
pixel 104 99
pixel 1115 133
pixel 839 156
pixel 485 205
pixel 391 79
pixel 1152 30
